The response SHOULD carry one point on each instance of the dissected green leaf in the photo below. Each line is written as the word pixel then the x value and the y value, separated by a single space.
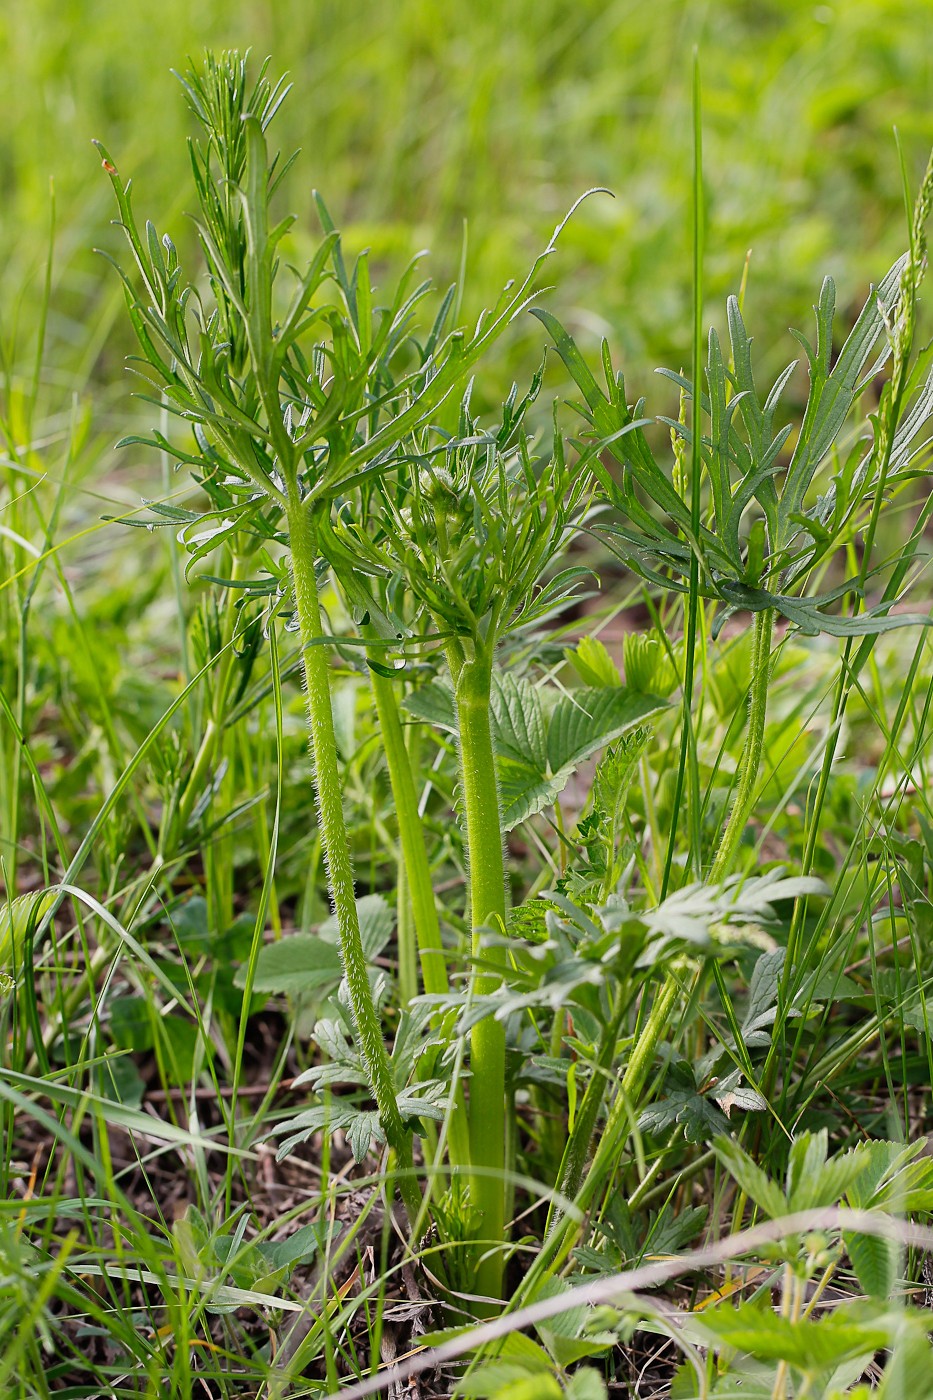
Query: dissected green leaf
pixel 832 392
pixel 813 1180
pixel 700 1118
pixel 617 769
pixel 898 1177
pixel 762 998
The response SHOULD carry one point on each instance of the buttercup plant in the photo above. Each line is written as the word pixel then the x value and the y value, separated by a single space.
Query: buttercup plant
pixel 472 524
pixel 762 536
pixel 294 408
pixel 714 971
pixel 339 447
pixel 241 387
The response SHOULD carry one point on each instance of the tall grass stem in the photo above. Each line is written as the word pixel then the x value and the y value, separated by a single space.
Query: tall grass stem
pixel 753 748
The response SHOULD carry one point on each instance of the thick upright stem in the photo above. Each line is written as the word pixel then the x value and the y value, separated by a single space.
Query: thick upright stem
pixel 754 745
pixel 411 837
pixel 415 884
pixel 406 934
pixel 336 845
pixel 487 907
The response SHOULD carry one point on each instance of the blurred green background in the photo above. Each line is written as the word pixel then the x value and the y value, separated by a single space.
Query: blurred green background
pixel 414 116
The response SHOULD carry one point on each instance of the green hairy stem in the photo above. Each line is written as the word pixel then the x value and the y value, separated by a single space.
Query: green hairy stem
pixel 415 887
pixel 411 836
pixel 406 935
pixel 473 684
pixel 337 848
